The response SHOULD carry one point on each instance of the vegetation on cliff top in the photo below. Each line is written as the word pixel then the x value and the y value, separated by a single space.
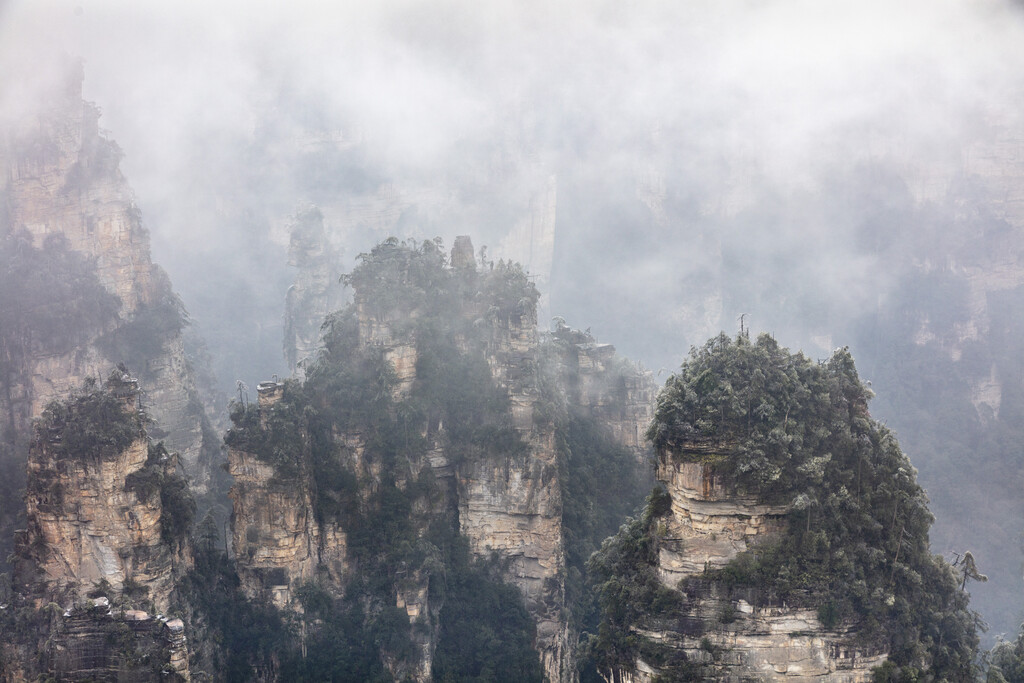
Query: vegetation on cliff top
pixel 93 424
pixel 399 518
pixel 389 503
pixel 772 421
pixel 856 547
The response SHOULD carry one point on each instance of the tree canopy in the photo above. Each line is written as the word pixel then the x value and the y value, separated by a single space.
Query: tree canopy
pixel 792 431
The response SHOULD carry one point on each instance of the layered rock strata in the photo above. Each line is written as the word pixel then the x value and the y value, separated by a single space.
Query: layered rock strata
pixel 95 543
pixel 735 641
pixel 87 525
pixel 94 643
pixel 709 524
pixel 514 508
pixel 275 536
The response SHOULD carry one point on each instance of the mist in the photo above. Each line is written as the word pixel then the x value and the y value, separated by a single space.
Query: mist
pixel 660 168
pixel 686 120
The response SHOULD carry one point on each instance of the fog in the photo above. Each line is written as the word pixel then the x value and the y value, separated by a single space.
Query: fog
pixel 661 167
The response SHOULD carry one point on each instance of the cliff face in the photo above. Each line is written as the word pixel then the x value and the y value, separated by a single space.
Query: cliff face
pixel 789 540
pixel 761 643
pixel 95 643
pixel 459 364
pixel 92 528
pixel 276 538
pixel 710 524
pixel 59 176
pixel 607 388
pixel 98 518
pixel 514 508
pixel 107 517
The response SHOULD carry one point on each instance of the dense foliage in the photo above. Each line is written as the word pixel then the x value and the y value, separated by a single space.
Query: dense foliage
pixel 624 576
pixel 400 520
pixel 1006 661
pixel 397 525
pixel 791 430
pixel 250 636
pixel 93 424
pixel 485 632
pixel 601 486
pixel 775 420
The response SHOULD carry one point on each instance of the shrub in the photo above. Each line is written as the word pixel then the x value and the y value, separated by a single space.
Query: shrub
pixel 91 425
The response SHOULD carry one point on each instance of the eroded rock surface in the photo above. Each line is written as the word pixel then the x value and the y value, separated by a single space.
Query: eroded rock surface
pixel 97 543
pixel 733 639
pixel 91 521
pixel 507 503
pixel 710 524
pixel 59 175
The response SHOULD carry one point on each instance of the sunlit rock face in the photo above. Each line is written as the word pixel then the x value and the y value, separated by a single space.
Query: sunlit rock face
pixel 59 175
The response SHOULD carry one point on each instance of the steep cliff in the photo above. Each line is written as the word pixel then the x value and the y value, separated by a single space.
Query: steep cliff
pixel 276 534
pixel 292 525
pixel 434 447
pixel 104 504
pixel 711 523
pixel 62 191
pixel 607 388
pixel 789 538
pixel 108 520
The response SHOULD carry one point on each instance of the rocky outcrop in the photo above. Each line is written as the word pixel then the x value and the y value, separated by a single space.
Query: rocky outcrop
pixel 732 637
pixel 710 523
pixel 505 500
pixel 92 522
pixel 99 540
pixel 91 528
pixel 59 175
pixel 610 389
pixel 276 537
pixel 514 508
pixel 735 641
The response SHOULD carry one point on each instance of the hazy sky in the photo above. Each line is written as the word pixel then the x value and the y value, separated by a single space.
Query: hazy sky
pixel 785 159
pixel 660 122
